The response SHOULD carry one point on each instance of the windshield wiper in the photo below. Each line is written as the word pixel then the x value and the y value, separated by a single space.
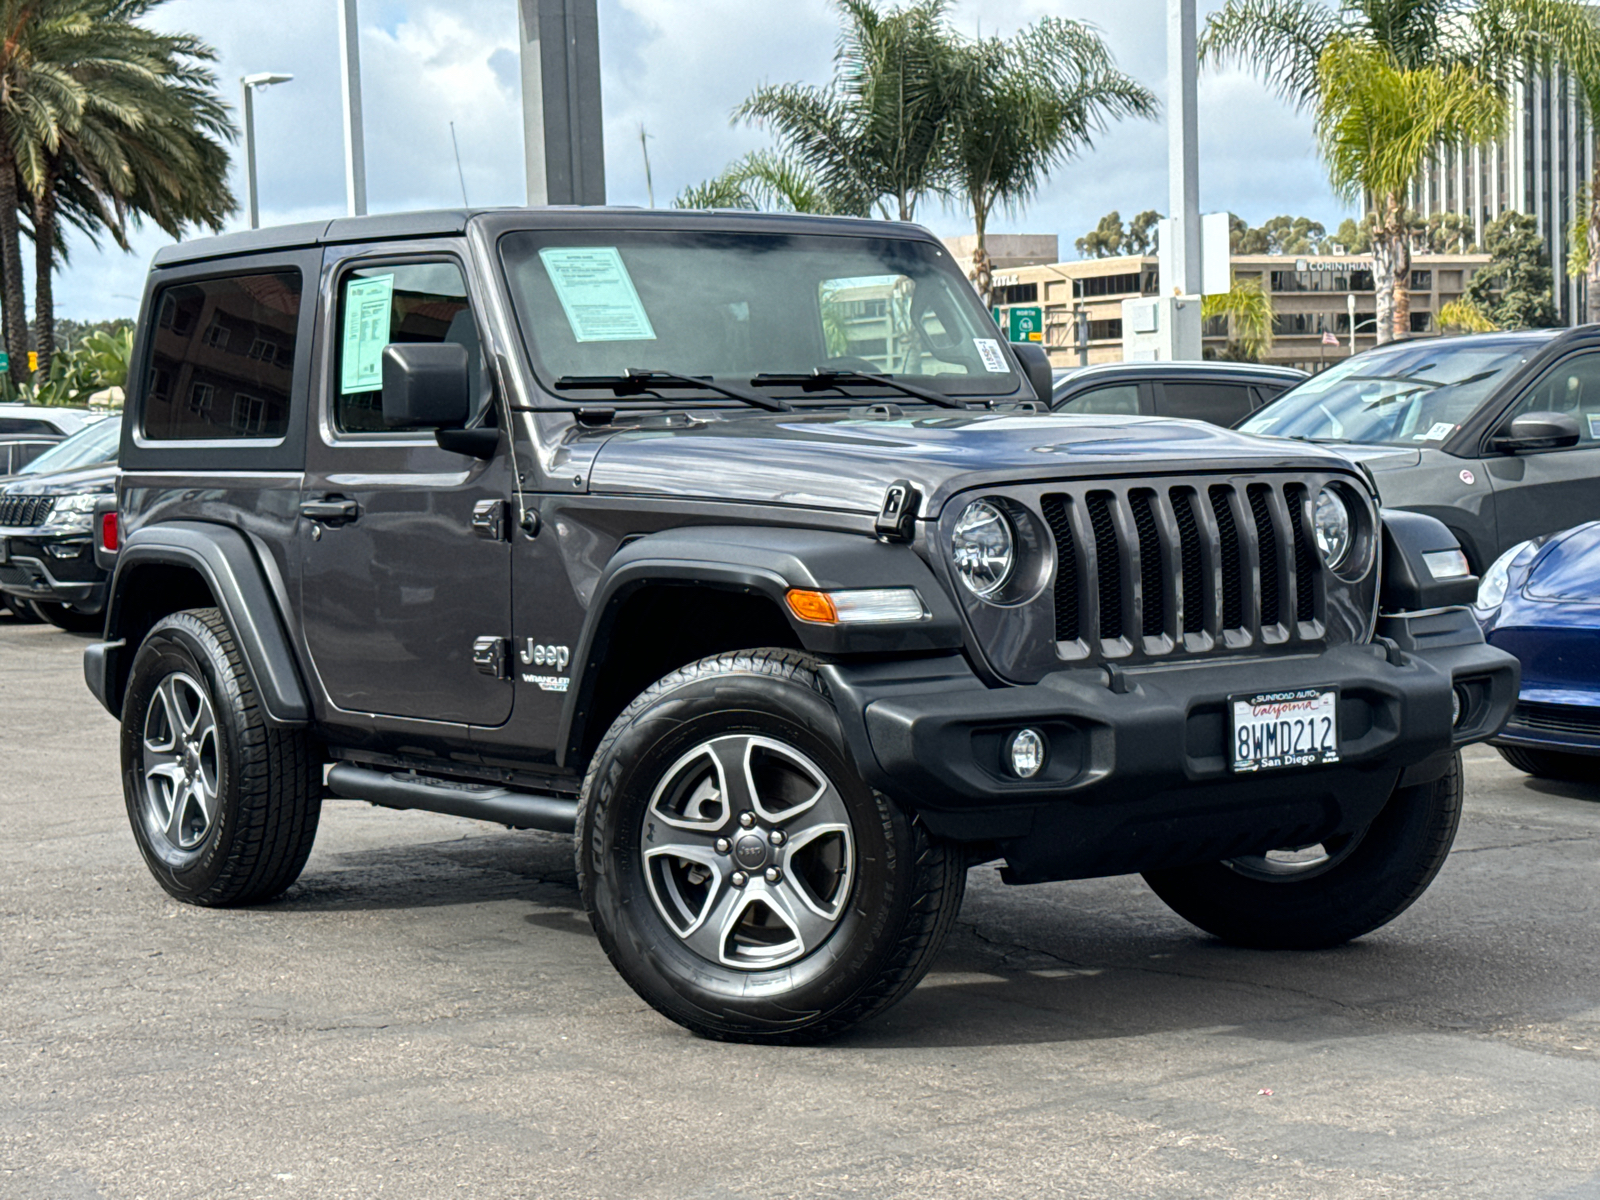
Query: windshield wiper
pixel 821 379
pixel 638 381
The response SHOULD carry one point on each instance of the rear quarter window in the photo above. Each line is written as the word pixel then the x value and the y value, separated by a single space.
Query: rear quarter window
pixel 222 358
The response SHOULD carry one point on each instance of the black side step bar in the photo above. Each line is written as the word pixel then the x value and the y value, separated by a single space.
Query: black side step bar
pixel 477 801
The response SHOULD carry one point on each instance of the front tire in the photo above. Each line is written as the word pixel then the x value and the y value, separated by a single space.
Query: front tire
pixel 1552 764
pixel 224 806
pixel 1364 881
pixel 739 874
pixel 64 616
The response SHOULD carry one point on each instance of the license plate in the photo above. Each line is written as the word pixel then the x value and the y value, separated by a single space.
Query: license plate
pixel 1297 728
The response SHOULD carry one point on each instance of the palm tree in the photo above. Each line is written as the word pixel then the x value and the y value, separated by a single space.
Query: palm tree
pixel 101 121
pixel 1376 123
pixel 765 180
pixel 1248 307
pixel 1284 42
pixel 1029 105
pixel 874 136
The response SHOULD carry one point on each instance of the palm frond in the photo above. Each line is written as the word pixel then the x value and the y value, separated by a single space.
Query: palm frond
pixel 1279 41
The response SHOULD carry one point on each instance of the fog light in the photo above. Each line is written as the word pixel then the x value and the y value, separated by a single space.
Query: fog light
pixel 1025 752
pixel 1458 705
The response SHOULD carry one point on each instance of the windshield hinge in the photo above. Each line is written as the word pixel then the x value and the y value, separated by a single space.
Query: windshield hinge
pixel 897 519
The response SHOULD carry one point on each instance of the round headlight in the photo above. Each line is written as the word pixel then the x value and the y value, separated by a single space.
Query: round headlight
pixel 1496 581
pixel 984 548
pixel 1335 531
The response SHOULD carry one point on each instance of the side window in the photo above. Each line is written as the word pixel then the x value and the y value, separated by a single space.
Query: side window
pixel 398 302
pixel 24 425
pixel 209 376
pixel 1118 400
pixel 1572 387
pixel 1220 404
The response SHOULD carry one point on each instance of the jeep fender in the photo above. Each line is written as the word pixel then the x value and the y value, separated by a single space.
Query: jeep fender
pixel 767 562
pixel 223 558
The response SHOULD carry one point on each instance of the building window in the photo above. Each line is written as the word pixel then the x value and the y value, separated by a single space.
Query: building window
pixel 1343 280
pixel 217 335
pixel 200 397
pixel 1422 281
pixel 1016 293
pixel 1106 331
pixel 1106 285
pixel 1421 322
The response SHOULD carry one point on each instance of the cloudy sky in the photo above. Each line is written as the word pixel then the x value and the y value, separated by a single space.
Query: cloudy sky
pixel 676 67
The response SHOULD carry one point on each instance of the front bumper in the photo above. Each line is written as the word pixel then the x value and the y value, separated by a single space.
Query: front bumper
pixel 1139 778
pixel 33 573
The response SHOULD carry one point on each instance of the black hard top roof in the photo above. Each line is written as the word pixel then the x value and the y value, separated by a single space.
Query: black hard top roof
pixel 448 222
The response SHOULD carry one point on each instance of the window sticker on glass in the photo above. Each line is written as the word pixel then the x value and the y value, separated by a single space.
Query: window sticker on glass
pixel 367 304
pixel 597 294
pixel 1594 426
pixel 1439 431
pixel 989 351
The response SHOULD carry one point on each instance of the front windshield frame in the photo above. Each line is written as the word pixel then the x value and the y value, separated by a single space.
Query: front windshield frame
pixel 81 449
pixel 517 253
pixel 1421 394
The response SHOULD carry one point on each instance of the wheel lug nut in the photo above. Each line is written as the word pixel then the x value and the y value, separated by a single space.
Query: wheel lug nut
pixel 776 837
pixel 724 845
pixel 746 820
pixel 739 879
pixel 773 874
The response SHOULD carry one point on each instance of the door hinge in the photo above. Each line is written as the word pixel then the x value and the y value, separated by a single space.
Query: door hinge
pixel 490 519
pixel 492 657
pixel 897 519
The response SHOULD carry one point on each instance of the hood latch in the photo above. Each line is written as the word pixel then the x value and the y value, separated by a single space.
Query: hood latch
pixel 897 519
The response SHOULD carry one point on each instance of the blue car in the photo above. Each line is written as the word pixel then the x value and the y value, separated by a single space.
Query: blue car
pixel 1540 600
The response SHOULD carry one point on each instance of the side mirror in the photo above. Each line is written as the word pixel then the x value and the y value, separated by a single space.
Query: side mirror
pixel 1036 366
pixel 1538 431
pixel 426 385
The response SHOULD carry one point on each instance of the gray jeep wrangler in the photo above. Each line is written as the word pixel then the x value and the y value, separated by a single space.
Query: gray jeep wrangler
pixel 742 548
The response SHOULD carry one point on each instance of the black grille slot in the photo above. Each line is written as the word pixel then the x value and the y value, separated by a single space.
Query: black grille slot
pixel 1267 539
pixel 21 512
pixel 1109 565
pixel 1228 533
pixel 1055 515
pixel 1194 615
pixel 1305 606
pixel 1150 572
pixel 1557 718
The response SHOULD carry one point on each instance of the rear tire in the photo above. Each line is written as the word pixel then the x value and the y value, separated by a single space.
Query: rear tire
pixel 1553 764
pixel 822 906
pixel 21 610
pixel 1364 882
pixel 223 805
pixel 64 616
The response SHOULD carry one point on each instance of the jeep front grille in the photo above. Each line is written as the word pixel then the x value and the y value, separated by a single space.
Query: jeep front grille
pixel 24 512
pixel 1189 567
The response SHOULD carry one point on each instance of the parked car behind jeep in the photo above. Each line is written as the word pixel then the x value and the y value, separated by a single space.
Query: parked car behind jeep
pixel 47 558
pixel 741 547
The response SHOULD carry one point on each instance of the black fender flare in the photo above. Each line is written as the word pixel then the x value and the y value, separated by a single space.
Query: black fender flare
pixel 222 556
pixel 763 561
pixel 1408 584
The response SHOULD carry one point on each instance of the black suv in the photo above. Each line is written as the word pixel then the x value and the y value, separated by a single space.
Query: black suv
pixel 739 545
pixel 1223 393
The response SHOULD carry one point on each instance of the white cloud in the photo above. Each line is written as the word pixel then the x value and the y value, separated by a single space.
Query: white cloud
pixel 678 67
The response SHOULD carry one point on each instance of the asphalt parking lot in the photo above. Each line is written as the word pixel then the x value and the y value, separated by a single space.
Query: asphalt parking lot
pixel 426 1014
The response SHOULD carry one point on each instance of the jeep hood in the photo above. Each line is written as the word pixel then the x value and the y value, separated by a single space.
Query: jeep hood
pixel 834 460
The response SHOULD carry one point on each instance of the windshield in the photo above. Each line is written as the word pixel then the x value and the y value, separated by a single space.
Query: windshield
pixel 738 306
pixel 86 448
pixel 1415 395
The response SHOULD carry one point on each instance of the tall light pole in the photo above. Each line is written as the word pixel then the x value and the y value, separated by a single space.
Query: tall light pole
pixel 355 141
pixel 1183 151
pixel 563 135
pixel 248 85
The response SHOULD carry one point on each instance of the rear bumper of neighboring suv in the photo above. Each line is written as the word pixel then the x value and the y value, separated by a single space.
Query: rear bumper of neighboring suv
pixel 1139 778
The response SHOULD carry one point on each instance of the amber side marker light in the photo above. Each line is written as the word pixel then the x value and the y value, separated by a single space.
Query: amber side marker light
pixel 858 606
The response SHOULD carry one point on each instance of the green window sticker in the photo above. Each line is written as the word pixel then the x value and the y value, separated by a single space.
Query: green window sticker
pixel 597 294
pixel 367 304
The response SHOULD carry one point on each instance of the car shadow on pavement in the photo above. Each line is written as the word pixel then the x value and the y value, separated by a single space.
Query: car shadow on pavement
pixel 1564 790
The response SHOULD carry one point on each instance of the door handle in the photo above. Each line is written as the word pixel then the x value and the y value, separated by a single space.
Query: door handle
pixel 333 510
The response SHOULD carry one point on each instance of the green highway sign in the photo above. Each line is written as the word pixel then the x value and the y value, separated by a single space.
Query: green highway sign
pixel 1025 323
pixel 5 361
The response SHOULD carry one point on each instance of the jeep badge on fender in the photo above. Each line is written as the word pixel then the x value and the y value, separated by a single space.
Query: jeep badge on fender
pixel 813 621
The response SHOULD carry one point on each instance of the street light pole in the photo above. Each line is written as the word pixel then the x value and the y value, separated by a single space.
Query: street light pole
pixel 248 86
pixel 355 140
